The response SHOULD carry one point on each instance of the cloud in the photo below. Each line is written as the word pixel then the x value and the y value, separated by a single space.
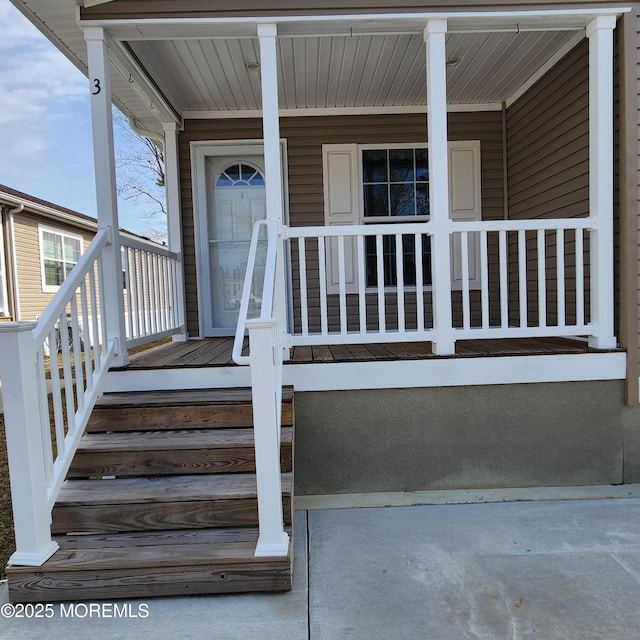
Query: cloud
pixel 37 82
pixel 28 148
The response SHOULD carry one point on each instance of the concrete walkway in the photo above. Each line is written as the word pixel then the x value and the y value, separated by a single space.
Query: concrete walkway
pixel 566 570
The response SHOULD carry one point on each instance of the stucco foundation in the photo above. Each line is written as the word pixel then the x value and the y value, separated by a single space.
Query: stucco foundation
pixel 522 435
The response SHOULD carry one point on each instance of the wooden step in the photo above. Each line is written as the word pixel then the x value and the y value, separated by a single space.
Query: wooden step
pixel 129 565
pixel 179 512
pixel 173 502
pixel 191 409
pixel 140 453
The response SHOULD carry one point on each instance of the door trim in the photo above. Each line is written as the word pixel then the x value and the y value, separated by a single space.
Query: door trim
pixel 200 150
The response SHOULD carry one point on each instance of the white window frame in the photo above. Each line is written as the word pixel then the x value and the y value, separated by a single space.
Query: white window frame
pixel 383 219
pixel 49 288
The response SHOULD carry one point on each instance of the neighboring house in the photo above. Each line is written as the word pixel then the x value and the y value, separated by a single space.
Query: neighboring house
pixel 444 204
pixel 39 244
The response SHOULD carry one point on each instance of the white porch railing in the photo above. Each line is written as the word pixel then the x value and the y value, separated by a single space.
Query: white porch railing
pixel 540 280
pixel 43 433
pixel 352 260
pixel 509 278
pixel 53 371
pixel 266 339
pixel 150 292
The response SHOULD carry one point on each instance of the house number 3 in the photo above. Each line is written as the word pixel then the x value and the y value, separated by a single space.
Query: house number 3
pixel 96 86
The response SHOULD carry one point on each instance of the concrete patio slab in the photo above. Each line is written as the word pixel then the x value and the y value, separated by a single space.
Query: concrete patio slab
pixel 562 570
pixel 566 570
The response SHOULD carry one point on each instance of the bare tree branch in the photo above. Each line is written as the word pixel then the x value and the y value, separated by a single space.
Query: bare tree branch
pixel 140 177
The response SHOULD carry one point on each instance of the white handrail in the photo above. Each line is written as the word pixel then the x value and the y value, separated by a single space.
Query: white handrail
pixel 151 247
pixel 75 322
pixel 67 289
pixel 266 308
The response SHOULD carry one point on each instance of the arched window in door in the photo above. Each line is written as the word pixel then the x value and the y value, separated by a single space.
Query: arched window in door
pixel 240 174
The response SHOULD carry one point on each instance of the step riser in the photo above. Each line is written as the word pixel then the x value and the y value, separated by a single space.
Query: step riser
pixel 159 516
pixel 181 515
pixel 199 417
pixel 183 462
pixel 170 581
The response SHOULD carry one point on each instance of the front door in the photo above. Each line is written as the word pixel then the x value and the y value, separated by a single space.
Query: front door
pixel 235 202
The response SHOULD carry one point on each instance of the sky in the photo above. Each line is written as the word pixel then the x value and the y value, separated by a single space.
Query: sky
pixel 45 123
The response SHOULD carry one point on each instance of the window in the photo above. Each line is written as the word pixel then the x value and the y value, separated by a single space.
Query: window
pixel 59 252
pixel 240 175
pixel 395 188
pixel 386 184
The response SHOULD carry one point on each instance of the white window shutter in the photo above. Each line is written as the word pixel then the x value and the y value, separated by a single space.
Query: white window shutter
pixel 340 179
pixel 465 204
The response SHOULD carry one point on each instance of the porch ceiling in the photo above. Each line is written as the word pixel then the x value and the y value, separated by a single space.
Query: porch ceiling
pixel 338 71
pixel 325 62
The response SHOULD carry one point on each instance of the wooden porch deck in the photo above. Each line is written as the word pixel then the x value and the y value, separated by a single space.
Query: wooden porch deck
pixel 216 352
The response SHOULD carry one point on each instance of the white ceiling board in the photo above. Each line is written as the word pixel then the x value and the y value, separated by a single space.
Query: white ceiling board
pixel 339 71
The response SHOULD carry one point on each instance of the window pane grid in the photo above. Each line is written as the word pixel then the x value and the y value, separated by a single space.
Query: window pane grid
pixel 395 182
pixel 395 186
pixel 60 253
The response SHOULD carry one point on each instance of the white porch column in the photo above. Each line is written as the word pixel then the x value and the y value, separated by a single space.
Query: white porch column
pixel 106 199
pixel 273 158
pixel 174 223
pixel 600 34
pixel 434 37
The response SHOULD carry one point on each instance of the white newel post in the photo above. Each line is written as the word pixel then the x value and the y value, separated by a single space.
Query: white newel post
pixel 600 34
pixel 174 226
pixel 267 34
pixel 273 540
pixel 434 37
pixel 105 174
pixel 25 447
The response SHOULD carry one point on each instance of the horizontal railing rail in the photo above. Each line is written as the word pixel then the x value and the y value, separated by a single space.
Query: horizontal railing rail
pixel 150 291
pixel 52 374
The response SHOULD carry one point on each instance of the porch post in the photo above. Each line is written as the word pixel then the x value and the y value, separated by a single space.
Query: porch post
pixel 600 34
pixel 25 448
pixel 267 34
pixel 434 37
pixel 106 199
pixel 174 224
pixel 273 540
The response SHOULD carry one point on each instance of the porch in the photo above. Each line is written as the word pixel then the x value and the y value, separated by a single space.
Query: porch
pixel 218 352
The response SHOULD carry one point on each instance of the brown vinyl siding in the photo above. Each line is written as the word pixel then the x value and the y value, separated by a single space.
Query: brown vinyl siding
pixel 123 9
pixel 305 137
pixel 548 143
pixel 548 173
pixel 33 299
